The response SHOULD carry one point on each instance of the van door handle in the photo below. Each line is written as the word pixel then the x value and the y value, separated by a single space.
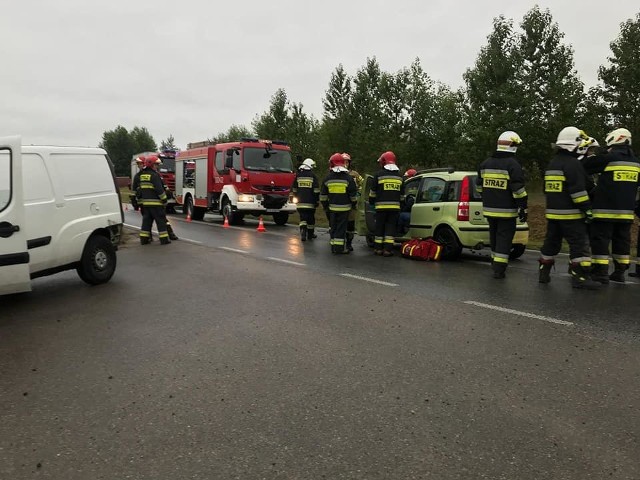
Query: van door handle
pixel 436 209
pixel 7 229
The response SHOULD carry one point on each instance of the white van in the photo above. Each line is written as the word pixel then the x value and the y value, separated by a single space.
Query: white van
pixel 59 210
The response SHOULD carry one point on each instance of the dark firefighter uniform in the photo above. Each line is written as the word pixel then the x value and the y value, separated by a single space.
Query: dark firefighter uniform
pixel 351 224
pixel 504 199
pixel 614 202
pixel 152 197
pixel 568 206
pixel 306 189
pixel 386 194
pixel 338 197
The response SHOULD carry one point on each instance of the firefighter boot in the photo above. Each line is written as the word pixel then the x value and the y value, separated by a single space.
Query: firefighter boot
pixel 350 241
pixel 580 278
pixel 618 272
pixel 145 240
pixel 600 273
pixel 303 233
pixel 172 235
pixel 164 241
pixel 544 271
pixel 311 233
pixel 499 269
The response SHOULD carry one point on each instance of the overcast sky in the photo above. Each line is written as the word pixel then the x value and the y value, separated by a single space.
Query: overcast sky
pixel 192 68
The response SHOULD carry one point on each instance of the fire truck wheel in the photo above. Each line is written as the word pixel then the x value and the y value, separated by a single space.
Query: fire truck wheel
pixel 281 218
pixel 188 207
pixel 227 211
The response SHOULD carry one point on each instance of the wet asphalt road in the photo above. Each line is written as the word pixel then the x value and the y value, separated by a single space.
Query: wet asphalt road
pixel 251 355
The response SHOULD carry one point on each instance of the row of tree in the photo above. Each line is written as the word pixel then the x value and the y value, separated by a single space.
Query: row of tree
pixel 524 79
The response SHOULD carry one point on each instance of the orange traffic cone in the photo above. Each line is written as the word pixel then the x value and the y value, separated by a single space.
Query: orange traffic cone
pixel 261 225
pixel 188 217
pixel 226 222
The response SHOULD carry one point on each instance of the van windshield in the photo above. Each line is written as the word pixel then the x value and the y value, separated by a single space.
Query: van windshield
pixel 267 161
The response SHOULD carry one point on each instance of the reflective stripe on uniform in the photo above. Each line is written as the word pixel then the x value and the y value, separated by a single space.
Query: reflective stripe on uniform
pixel 613 214
pixel 569 214
pixel 600 259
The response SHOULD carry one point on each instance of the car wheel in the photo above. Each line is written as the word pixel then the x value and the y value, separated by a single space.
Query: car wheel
pixel 517 250
pixel 98 261
pixel 451 248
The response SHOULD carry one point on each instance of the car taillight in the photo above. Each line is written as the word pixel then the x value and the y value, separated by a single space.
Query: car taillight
pixel 463 201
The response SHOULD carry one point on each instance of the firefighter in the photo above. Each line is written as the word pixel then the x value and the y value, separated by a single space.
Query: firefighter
pixel 568 210
pixel 152 197
pixel 172 235
pixel 409 173
pixel 338 196
pixel 504 198
pixel 614 202
pixel 386 194
pixel 351 224
pixel 306 189
pixel 584 153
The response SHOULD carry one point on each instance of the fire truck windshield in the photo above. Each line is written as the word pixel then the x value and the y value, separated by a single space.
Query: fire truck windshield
pixel 267 161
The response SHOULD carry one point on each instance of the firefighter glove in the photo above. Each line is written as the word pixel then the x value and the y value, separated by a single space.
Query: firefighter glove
pixel 523 214
pixel 588 216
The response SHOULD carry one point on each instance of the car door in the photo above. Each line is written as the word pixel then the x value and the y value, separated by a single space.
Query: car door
pixel 14 257
pixel 427 210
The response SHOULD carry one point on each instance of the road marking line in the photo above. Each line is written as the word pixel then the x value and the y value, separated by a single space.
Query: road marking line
pixel 366 279
pixel 236 250
pixel 188 240
pixel 517 312
pixel 291 262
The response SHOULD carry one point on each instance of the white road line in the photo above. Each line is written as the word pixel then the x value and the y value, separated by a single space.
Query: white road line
pixel 517 312
pixel 366 279
pixel 290 262
pixel 182 239
pixel 236 250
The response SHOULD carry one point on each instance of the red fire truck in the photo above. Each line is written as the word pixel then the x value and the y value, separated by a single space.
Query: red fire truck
pixel 249 177
pixel 167 171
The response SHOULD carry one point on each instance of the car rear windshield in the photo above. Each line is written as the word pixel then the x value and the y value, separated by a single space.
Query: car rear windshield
pixel 473 190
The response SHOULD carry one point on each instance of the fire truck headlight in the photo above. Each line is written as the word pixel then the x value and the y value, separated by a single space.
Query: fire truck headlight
pixel 293 199
pixel 245 198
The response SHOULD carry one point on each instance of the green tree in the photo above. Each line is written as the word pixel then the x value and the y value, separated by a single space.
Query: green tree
pixel 233 134
pixel 491 93
pixel 594 115
pixel 549 87
pixel 142 140
pixel 273 123
pixel 621 79
pixel 120 147
pixel 338 116
pixel 169 143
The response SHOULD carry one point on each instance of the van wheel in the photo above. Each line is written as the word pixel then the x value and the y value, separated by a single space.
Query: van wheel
pixel 281 218
pixel 517 249
pixel 451 248
pixel 98 262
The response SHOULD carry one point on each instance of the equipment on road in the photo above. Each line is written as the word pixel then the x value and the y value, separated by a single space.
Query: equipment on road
pixel 261 226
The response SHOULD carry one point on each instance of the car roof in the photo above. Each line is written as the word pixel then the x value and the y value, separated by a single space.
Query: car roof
pixel 447 173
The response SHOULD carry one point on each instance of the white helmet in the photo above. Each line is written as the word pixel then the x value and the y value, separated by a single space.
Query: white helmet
pixel 585 146
pixel 572 138
pixel 508 142
pixel 620 136
pixel 309 163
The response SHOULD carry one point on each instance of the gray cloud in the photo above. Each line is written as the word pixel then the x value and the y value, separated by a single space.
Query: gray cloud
pixel 72 70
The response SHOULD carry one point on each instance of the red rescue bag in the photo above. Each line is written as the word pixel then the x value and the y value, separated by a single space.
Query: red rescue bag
pixel 422 249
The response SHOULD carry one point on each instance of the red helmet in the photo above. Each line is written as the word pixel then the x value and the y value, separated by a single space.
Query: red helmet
pixel 410 173
pixel 346 156
pixel 150 161
pixel 387 158
pixel 336 160
pixel 140 159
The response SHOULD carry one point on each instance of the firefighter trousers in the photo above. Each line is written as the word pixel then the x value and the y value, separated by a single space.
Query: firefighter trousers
pixel 338 231
pixel 307 217
pixel 386 225
pixel 575 233
pixel 149 215
pixel 618 234
pixel 501 232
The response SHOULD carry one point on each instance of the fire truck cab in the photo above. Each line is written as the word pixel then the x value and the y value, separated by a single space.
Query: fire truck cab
pixel 248 177
pixel 167 171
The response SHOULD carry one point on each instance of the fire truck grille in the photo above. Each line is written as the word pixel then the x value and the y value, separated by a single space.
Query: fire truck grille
pixel 274 201
pixel 271 188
